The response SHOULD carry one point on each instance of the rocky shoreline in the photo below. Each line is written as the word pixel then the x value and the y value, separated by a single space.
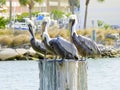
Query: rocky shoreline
pixel 111 53
pixel 30 54
pixel 19 54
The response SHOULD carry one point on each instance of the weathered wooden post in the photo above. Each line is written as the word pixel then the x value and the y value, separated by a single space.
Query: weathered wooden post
pixel 68 75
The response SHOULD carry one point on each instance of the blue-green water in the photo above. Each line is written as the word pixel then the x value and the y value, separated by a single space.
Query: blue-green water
pixel 103 74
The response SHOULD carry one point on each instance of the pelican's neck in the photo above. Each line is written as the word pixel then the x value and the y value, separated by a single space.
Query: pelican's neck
pixel 45 29
pixel 73 29
pixel 47 37
pixel 32 36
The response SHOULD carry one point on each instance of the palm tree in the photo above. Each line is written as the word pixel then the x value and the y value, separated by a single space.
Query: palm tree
pixel 2 2
pixel 73 4
pixel 30 4
pixel 48 5
pixel 86 10
pixel 10 15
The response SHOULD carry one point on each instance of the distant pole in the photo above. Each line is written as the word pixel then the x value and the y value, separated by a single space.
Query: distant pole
pixel 92 23
pixel 82 13
pixel 10 13
pixel 68 75
pixel 94 35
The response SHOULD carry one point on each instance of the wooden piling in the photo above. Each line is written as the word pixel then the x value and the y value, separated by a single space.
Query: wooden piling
pixel 68 75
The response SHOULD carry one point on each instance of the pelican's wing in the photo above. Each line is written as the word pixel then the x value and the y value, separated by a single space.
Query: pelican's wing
pixel 80 45
pixel 66 45
pixel 40 45
pixel 89 43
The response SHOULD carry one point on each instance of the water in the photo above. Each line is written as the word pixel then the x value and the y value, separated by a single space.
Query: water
pixel 103 74
pixel 19 75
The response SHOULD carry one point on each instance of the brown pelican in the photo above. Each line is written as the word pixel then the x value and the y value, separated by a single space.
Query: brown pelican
pixel 46 38
pixel 36 44
pixel 64 48
pixel 58 45
pixel 86 47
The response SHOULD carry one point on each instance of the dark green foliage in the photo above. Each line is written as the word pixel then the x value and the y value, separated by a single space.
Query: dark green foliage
pixel 57 14
pixel 23 15
pixel 106 26
pixel 3 22
pixel 2 2
pixel 100 23
pixel 75 3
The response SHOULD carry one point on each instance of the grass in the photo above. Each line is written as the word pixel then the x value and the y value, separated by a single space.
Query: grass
pixel 12 39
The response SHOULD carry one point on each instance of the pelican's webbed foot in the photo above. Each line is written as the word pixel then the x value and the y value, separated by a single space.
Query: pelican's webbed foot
pixel 61 61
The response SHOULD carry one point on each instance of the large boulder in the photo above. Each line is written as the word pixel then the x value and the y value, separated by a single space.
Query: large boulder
pixel 8 53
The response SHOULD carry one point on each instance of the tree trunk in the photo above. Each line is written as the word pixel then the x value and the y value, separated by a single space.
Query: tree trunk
pixel 68 75
pixel 71 5
pixel 86 12
pixel 48 5
pixel 85 21
pixel 59 4
pixel 10 14
pixel 72 8
pixel 82 13
pixel 30 12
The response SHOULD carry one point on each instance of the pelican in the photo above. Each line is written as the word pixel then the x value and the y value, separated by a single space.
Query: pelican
pixel 86 47
pixel 46 38
pixel 64 48
pixel 59 45
pixel 36 44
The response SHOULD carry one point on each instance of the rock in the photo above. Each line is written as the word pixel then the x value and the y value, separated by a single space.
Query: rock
pixel 31 51
pixel 11 54
pixel 7 53
pixel 21 51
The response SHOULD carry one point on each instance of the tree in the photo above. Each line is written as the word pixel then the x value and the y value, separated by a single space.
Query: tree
pixel 2 2
pixel 30 4
pixel 73 4
pixel 86 10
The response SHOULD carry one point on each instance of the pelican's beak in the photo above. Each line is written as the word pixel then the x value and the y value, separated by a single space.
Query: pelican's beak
pixel 30 29
pixel 70 24
pixel 43 28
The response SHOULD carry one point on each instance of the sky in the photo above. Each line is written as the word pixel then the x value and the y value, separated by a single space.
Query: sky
pixel 107 11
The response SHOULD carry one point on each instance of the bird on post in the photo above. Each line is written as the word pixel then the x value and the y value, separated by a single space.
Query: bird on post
pixel 36 44
pixel 63 48
pixel 86 47
pixel 46 38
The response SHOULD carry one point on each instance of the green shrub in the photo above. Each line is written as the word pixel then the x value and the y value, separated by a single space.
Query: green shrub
pixel 3 22
pixel 106 26
pixel 57 14
pixel 100 23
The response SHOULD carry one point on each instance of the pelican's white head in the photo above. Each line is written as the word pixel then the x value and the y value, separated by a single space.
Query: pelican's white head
pixel 73 17
pixel 31 27
pixel 47 20
pixel 72 23
pixel 28 21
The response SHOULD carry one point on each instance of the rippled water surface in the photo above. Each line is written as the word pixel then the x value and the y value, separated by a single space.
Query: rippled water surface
pixel 103 74
pixel 19 75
